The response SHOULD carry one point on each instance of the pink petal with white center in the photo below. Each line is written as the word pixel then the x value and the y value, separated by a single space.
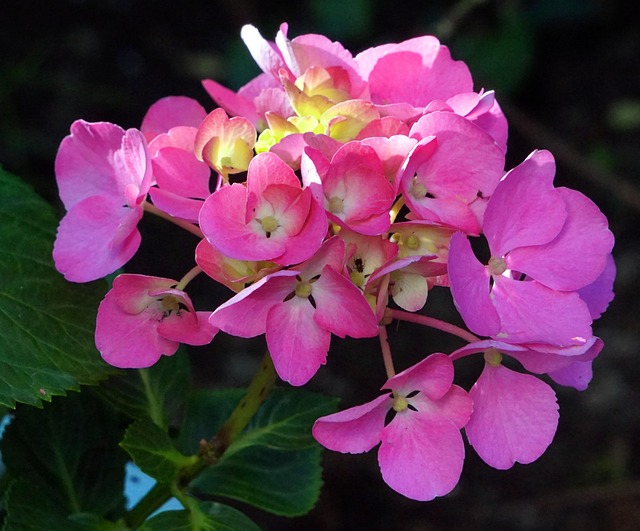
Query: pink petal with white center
pixel 245 314
pixel 130 340
pixel 532 313
pixel 599 293
pixel 364 195
pixel 415 71
pixel 96 237
pixel 298 345
pixel 341 307
pixel 170 112
pixel 421 455
pixel 470 288
pixel 514 418
pixel 577 255
pixel 231 102
pixel 354 430
pixel 432 376
pixel 525 209
pixel 84 163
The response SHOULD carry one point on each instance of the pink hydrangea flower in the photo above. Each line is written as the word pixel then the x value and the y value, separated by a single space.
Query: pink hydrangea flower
pixel 142 318
pixel 298 310
pixel 271 218
pixel 103 174
pixel 545 244
pixel 421 450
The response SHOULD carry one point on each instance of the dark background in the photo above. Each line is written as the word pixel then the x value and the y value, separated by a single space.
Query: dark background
pixel 568 76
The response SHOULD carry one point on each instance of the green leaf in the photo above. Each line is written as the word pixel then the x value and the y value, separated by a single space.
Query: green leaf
pixel 157 392
pixel 46 344
pixel 274 464
pixel 152 450
pixel 204 516
pixel 69 453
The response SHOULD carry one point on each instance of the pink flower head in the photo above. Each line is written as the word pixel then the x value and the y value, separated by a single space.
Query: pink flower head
pixel 142 318
pixel 103 175
pixel 545 244
pixel 271 218
pixel 299 310
pixel 421 452
pixel 354 188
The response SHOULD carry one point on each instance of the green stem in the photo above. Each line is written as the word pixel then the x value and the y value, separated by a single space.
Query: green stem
pixel 211 451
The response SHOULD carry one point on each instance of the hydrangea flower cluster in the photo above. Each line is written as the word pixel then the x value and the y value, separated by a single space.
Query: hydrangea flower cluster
pixel 331 193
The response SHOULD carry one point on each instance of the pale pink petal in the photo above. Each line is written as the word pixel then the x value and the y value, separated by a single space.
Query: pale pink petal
pixel 341 306
pixel 298 346
pixel 469 281
pixel 514 418
pixel 176 205
pixel 134 293
pixel 409 291
pixel 354 430
pixel 421 455
pixel 170 112
pixel 264 53
pixel 231 102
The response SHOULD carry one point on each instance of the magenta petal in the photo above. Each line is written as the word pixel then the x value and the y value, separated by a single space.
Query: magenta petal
pixel 525 208
pixel 297 344
pixel 354 430
pixel 231 102
pixel 532 313
pixel 421 455
pixel 341 306
pixel 192 328
pixel 514 418
pixel 599 293
pixel 432 376
pixel 469 281
pixel 577 375
pixel 96 237
pixel 176 205
pixel 579 253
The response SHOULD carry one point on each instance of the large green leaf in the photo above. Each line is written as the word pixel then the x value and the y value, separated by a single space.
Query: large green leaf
pixel 274 464
pixel 204 516
pixel 152 450
pixel 46 344
pixel 68 452
pixel 157 392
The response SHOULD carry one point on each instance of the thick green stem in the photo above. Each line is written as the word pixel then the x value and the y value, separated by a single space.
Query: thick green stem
pixel 211 451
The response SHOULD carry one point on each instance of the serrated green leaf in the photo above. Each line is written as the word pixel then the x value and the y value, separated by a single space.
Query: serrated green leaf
pixel 157 392
pixel 275 463
pixel 204 516
pixel 68 452
pixel 152 450
pixel 46 344
pixel 283 482
pixel 284 421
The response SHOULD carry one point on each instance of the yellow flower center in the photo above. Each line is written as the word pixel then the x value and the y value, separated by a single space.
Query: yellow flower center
pixel 303 289
pixel 336 205
pixel 269 224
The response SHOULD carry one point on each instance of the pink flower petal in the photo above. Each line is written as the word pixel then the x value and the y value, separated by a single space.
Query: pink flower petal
pixel 514 418
pixel 421 455
pixel 432 376
pixel 297 344
pixel 170 112
pixel 354 430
